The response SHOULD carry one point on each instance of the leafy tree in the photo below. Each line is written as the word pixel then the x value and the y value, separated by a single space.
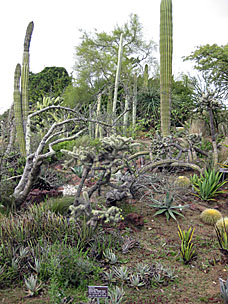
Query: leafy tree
pixel 96 56
pixel 212 60
pixel 51 81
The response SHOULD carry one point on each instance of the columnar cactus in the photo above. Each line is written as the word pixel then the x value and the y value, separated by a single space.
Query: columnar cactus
pixel 21 97
pixel 166 51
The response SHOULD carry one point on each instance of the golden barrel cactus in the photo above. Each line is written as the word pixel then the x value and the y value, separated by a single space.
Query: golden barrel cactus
pixel 211 216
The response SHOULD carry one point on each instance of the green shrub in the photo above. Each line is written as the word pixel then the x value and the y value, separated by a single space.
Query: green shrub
pixel 59 205
pixel 67 266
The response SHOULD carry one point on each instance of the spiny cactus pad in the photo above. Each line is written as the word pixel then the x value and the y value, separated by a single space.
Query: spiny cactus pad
pixel 210 216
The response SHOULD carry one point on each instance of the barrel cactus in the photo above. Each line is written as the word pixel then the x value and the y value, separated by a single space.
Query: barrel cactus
pixel 210 216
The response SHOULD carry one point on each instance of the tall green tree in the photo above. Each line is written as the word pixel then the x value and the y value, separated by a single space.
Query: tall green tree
pixel 212 60
pixel 166 53
pixel 97 54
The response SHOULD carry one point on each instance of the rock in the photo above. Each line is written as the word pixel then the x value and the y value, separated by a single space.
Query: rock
pixel 135 219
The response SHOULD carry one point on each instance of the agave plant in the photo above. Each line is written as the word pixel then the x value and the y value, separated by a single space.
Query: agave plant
pixel 166 207
pixel 115 296
pixel 135 280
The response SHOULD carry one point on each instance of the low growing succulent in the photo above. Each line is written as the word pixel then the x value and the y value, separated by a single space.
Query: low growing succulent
pixel 166 207
pixel 110 256
pixel 210 216
pixel 32 285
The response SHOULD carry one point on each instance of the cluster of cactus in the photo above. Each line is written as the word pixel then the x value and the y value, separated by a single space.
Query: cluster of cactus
pixel 107 215
pixel 112 144
pixel 211 216
pixel 160 146
pixel 117 143
pixel 21 77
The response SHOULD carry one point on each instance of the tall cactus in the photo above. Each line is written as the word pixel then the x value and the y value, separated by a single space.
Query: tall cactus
pixel 21 78
pixel 166 52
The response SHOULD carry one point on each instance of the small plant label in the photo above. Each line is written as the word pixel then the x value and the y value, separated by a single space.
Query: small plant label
pixel 97 291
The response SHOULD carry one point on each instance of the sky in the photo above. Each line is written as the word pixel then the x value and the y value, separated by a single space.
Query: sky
pixel 57 23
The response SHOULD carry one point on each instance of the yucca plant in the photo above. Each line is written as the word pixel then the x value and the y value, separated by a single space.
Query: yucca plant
pixel 166 207
pixel 186 249
pixel 207 185
pixel 221 233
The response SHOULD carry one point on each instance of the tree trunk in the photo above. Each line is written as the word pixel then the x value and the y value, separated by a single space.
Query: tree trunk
pixel 117 77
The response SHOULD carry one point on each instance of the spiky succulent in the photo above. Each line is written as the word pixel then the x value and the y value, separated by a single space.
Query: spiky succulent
pixel 210 216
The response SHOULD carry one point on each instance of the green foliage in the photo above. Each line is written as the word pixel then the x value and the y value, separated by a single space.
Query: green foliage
pixel 182 100
pixel 78 170
pixel 68 266
pixel 51 81
pixel 212 60
pixel 207 185
pixel 96 56
pixel 166 207
pixel 38 223
pixel 66 145
pixel 221 233
pixel 59 205
pixel 187 247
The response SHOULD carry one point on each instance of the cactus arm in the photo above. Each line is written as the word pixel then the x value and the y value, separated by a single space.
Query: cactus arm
pixel 25 73
pixel 18 110
pixel 166 51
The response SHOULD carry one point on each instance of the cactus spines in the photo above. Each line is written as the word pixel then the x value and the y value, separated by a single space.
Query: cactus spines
pixel 21 97
pixel 166 52
pixel 210 216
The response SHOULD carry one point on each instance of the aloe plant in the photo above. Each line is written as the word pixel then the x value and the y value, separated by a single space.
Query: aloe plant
pixel 166 52
pixel 21 77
